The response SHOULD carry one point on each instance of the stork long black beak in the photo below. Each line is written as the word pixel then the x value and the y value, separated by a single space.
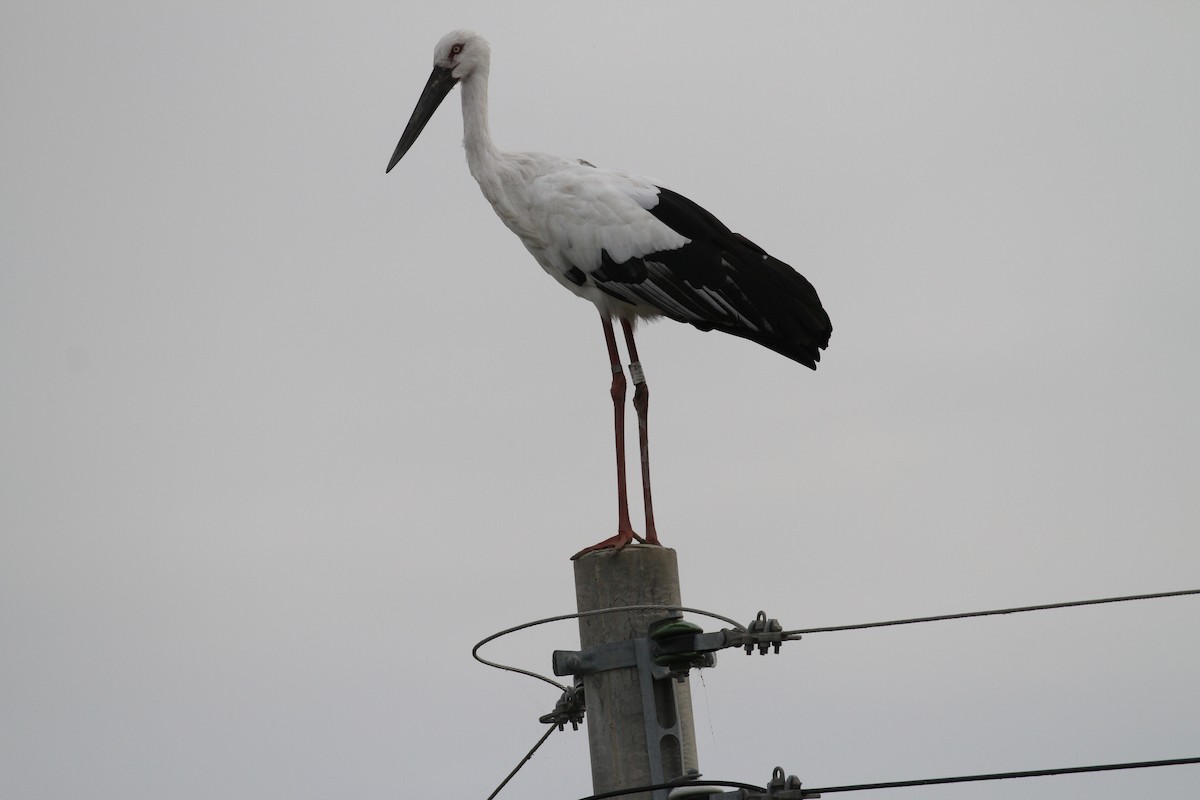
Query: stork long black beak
pixel 440 82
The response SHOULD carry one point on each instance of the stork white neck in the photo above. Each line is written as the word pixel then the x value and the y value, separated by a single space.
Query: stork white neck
pixel 482 155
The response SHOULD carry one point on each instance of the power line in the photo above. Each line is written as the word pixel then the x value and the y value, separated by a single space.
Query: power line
pixel 994 612
pixel 996 776
pixel 829 629
pixel 522 762
pixel 801 631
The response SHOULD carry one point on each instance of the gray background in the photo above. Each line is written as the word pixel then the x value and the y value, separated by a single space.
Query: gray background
pixel 282 437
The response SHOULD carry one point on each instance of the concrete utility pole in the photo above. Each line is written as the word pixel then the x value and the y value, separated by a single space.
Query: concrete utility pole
pixel 640 729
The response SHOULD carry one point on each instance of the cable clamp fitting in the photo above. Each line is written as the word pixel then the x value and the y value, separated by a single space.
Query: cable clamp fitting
pixel 782 788
pixel 763 634
pixel 569 708
pixel 766 634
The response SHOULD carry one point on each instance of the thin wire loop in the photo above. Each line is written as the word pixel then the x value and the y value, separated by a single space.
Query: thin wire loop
pixel 578 614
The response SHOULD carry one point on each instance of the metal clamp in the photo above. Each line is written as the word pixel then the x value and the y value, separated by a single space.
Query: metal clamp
pixel 762 633
pixel 781 788
pixel 569 708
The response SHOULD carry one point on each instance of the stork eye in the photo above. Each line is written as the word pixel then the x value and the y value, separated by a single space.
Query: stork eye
pixel 458 48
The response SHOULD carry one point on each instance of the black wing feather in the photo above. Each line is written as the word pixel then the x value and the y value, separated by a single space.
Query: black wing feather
pixel 722 281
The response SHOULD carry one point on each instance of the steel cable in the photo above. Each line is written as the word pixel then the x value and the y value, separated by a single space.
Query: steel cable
pixel 967 614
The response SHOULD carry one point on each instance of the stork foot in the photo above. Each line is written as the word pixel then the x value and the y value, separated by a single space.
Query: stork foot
pixel 617 542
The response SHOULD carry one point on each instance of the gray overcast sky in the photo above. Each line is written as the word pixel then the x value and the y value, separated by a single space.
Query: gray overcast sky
pixel 281 437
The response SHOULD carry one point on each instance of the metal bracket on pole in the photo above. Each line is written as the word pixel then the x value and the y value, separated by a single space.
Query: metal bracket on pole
pixel 675 646
pixel 671 648
pixel 656 732
pixel 662 724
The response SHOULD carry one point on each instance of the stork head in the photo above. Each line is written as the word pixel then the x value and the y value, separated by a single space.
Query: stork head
pixel 458 56
pixel 462 52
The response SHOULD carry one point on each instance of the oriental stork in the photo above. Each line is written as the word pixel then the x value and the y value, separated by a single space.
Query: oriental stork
pixel 634 249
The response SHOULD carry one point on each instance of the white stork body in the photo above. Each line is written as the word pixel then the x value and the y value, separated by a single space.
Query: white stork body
pixel 568 213
pixel 634 249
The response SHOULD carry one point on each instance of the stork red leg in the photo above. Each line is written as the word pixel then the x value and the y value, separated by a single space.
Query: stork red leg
pixel 641 403
pixel 625 533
